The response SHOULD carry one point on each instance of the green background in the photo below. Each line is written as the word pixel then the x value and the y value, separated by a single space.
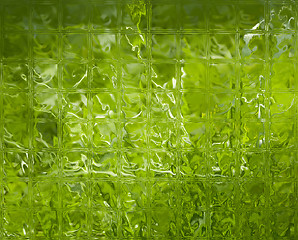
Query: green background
pixel 148 119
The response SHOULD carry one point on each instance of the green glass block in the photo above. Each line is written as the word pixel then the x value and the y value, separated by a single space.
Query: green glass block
pixel 148 119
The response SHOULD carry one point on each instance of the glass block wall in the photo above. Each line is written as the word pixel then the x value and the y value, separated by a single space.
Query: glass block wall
pixel 148 119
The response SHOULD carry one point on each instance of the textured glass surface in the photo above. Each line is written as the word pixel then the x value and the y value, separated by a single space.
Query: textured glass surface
pixel 148 119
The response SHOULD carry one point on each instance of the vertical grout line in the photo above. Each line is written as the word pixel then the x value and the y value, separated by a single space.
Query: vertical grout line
pixel 89 125
pixel 208 127
pixel 90 107
pixel 119 122
pixel 1 121
pixel 237 125
pixel 267 119
pixel 149 95
pixel 148 109
pixel 179 6
pixel 60 131
pixel 295 165
pixel 31 119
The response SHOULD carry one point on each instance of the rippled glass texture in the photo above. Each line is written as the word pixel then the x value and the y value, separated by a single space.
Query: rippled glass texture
pixel 148 119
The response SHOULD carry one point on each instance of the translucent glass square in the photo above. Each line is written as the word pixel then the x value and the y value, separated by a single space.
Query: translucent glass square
pixel 45 164
pixel 16 223
pixel 74 76
pixel 45 46
pixel 45 134
pixel 282 194
pixel 282 46
pixel 163 135
pixel 75 194
pixel 222 194
pixel 282 163
pixel 164 16
pixel 134 76
pixel 104 105
pixel 45 76
pixel 16 76
pixel 194 46
pixel 193 135
pixel 104 224
pixel 252 194
pixel 16 135
pixel 222 105
pixel 222 76
pixel 252 46
pixel 45 194
pixel 163 164
pixel 283 16
pixel 252 164
pixel 133 195
pixel 104 46
pixel 134 164
pixel 132 21
pixel 252 76
pixel 74 135
pixel 282 105
pixel 282 75
pixel 45 16
pixel 164 223
pixel 74 223
pixel 46 105
pixel 104 194
pixel 252 223
pixel 104 16
pixel 190 19
pixel 251 16
pixel 222 164
pixel 15 194
pixel 252 135
pixel 163 76
pixel 223 224
pixel 134 224
pixel 104 75
pixel 105 135
pixel 75 106
pixel 16 112
pixel 163 105
pixel 134 135
pixel 104 164
pixel 16 164
pixel 222 16
pixel 46 224
pixel 193 106
pixel 222 46
pixel 282 223
pixel 194 195
pixel 164 46
pixel 163 195
pixel 193 224
pixel 16 46
pixel 16 16
pixel 134 104
pixel 75 164
pixel 193 76
pixel 223 134
pixel 75 46
pixel 193 163
pixel 252 105
pixel 282 135
pixel 133 46
pixel 75 16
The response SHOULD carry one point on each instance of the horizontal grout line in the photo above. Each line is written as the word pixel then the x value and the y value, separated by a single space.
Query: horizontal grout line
pixel 174 31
